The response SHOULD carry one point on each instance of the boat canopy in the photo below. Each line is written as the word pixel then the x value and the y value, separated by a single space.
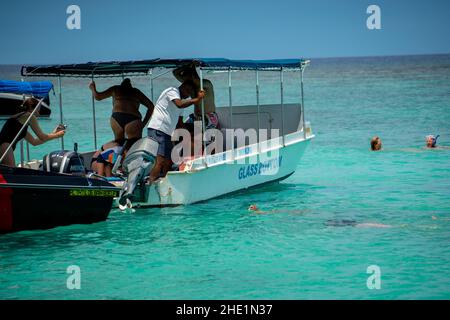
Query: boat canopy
pixel 36 88
pixel 143 67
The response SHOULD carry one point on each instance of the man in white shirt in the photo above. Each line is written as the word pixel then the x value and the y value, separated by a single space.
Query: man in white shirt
pixel 166 116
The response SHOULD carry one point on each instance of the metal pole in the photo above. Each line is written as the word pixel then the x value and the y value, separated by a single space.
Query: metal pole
pixel 203 117
pixel 230 101
pixel 151 84
pixel 93 116
pixel 21 153
pixel 282 105
pixel 257 106
pixel 60 109
pixel 28 152
pixel 21 129
pixel 303 106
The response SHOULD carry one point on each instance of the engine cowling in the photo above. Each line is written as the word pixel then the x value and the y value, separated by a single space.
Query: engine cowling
pixel 137 165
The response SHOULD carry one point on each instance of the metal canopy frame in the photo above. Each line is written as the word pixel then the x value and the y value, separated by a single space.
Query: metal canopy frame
pixel 146 68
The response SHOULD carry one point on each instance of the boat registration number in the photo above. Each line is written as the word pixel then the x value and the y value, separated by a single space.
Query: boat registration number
pixel 93 193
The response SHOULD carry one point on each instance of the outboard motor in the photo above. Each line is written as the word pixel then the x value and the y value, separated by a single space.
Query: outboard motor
pixel 64 161
pixel 138 163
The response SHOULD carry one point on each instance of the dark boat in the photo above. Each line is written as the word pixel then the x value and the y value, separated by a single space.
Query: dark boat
pixel 37 199
pixel 12 94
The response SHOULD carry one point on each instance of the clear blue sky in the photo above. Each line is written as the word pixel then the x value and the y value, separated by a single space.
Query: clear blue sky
pixel 35 31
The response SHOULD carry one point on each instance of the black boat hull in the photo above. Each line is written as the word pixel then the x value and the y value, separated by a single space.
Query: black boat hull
pixel 31 199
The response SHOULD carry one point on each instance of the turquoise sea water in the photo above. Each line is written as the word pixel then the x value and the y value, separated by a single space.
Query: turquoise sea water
pixel 217 249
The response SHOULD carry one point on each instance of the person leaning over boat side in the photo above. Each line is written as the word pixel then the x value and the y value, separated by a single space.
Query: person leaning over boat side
pixel 188 73
pixel 125 120
pixel 103 160
pixel 13 125
pixel 166 117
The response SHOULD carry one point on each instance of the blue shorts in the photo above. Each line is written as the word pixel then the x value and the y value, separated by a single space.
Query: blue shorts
pixel 164 140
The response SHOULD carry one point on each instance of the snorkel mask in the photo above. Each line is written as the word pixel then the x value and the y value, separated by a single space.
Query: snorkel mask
pixel 433 139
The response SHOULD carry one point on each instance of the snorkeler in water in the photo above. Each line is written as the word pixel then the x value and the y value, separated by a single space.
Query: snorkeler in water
pixel 354 223
pixel 253 208
pixel 431 141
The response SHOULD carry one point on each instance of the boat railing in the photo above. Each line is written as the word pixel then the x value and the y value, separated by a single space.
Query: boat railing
pixel 146 69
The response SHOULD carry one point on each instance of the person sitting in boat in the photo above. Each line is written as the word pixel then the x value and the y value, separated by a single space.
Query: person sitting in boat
pixel 375 144
pixel 103 160
pixel 125 120
pixel 188 73
pixel 166 117
pixel 13 125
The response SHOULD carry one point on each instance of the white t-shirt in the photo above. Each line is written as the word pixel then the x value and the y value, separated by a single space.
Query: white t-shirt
pixel 166 113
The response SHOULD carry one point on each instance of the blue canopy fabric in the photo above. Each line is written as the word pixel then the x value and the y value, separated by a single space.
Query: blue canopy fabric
pixel 117 68
pixel 36 88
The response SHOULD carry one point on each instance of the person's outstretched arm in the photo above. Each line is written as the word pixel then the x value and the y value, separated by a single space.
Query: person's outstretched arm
pixel 41 136
pixel 186 103
pixel 108 93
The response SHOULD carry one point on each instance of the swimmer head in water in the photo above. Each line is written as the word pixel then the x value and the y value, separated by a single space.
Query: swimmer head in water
pixel 431 141
pixel 253 207
pixel 375 144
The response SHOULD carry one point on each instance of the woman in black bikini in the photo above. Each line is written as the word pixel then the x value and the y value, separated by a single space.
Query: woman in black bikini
pixel 125 119
pixel 12 127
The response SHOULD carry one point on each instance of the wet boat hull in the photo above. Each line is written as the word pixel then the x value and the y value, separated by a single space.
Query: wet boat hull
pixel 31 199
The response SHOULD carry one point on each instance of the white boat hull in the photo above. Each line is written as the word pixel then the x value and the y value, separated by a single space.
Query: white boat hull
pixel 222 175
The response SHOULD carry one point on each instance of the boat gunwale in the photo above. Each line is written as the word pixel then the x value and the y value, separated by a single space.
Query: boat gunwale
pixel 201 160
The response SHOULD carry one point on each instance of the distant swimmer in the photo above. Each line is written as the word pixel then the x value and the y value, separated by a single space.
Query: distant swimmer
pixel 255 209
pixel 442 219
pixel 431 141
pixel 375 143
pixel 354 223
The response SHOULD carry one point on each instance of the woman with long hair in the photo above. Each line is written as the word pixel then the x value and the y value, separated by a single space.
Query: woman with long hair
pixel 13 126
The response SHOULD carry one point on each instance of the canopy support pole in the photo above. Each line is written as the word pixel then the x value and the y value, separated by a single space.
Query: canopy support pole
pixel 203 119
pixel 93 117
pixel 28 151
pixel 282 105
pixel 151 84
pixel 21 153
pixel 302 106
pixel 60 109
pixel 230 101
pixel 258 108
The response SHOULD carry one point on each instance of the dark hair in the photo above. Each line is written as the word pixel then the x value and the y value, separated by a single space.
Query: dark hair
pixel 374 143
pixel 190 86
pixel 126 83
pixel 27 104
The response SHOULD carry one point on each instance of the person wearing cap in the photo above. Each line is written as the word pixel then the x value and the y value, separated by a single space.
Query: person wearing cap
pixel 166 117
pixel 188 73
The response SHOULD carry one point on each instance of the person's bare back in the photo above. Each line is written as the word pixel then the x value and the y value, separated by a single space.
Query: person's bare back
pixel 126 100
pixel 125 119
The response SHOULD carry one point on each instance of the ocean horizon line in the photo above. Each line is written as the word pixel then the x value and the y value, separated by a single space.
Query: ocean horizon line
pixel 306 58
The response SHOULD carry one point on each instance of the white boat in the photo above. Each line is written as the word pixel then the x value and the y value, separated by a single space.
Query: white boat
pixel 238 167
